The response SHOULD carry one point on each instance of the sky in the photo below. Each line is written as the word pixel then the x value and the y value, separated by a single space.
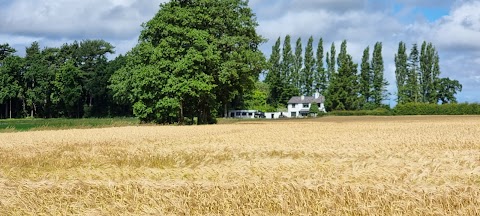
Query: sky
pixel 453 26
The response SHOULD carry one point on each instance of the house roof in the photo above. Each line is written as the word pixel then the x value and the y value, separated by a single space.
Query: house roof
pixel 306 99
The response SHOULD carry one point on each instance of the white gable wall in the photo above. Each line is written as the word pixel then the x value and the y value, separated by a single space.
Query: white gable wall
pixel 297 107
pixel 275 115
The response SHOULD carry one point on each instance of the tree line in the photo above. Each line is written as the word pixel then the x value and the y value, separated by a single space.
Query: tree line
pixel 294 72
pixel 197 59
pixel 51 82
pixel 418 76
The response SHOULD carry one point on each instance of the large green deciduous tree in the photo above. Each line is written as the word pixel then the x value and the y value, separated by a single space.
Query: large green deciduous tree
pixel 37 80
pixel 5 51
pixel 257 99
pixel 67 89
pixel 447 89
pixel 11 68
pixel 193 58
pixel 92 61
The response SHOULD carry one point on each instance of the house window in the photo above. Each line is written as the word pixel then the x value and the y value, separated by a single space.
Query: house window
pixel 294 114
pixel 293 106
pixel 250 114
pixel 238 114
pixel 305 105
pixel 244 114
pixel 318 105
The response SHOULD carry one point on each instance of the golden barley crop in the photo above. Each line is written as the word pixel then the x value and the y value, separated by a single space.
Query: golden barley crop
pixel 327 166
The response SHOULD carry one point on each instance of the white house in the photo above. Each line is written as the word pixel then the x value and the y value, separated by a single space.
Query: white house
pixel 299 106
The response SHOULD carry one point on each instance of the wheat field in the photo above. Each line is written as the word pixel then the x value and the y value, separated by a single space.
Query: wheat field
pixel 326 166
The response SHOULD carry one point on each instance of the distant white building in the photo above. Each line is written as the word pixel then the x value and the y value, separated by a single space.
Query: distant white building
pixel 242 114
pixel 299 106
pixel 275 115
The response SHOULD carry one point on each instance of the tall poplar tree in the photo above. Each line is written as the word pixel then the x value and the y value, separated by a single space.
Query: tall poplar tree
pixel 331 74
pixel 273 77
pixel 379 84
pixel 331 62
pixel 412 89
pixel 429 73
pixel 308 71
pixel 297 65
pixel 288 62
pixel 365 77
pixel 401 73
pixel 435 82
pixel 321 81
pixel 419 81
pixel 343 89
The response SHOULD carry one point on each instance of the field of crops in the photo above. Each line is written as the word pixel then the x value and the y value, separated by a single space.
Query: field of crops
pixel 329 166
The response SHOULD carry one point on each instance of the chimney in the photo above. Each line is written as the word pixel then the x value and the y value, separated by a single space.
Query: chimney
pixel 303 97
pixel 316 95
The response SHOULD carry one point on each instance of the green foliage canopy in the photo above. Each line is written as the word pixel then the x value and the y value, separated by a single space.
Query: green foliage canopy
pixel 192 58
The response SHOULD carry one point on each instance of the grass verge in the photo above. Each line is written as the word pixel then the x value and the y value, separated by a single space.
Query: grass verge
pixel 13 125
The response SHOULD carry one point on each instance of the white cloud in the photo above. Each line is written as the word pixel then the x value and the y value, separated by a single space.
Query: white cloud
pixel 332 5
pixel 425 3
pixel 460 30
pixel 72 19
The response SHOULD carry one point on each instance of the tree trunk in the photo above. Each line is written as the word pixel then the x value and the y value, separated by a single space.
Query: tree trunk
pixel 225 111
pixel 181 113
pixel 34 110
pixel 24 107
pixel 10 110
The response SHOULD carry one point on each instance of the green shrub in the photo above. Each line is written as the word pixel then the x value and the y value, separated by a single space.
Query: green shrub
pixel 374 112
pixel 437 109
pixel 314 109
